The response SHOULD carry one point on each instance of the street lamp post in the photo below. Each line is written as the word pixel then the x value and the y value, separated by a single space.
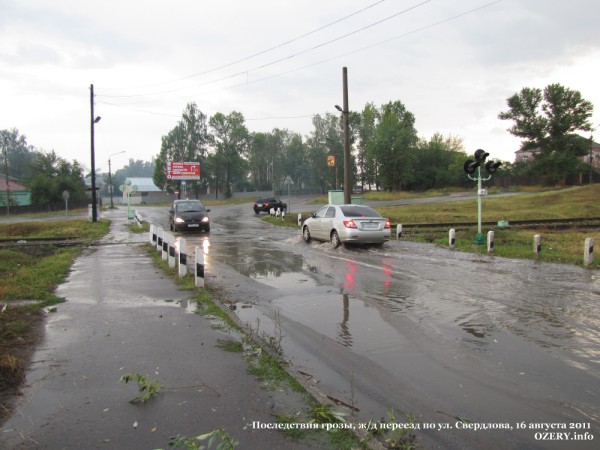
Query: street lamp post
pixel 94 120
pixel 6 175
pixel 345 111
pixel 110 185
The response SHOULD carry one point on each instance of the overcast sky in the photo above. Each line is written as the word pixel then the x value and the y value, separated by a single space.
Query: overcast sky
pixel 279 62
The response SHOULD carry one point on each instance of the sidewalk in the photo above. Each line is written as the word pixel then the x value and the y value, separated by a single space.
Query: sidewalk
pixel 122 315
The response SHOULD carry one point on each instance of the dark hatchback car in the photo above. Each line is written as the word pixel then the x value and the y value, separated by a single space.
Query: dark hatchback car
pixel 189 215
pixel 264 204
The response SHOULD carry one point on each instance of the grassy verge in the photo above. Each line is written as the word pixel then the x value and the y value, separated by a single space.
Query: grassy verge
pixel 30 274
pixel 558 245
pixel 264 363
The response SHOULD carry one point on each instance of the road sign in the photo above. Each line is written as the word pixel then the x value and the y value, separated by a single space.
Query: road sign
pixel 331 160
pixel 183 170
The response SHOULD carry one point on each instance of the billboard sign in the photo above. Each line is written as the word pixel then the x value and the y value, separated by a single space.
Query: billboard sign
pixel 183 170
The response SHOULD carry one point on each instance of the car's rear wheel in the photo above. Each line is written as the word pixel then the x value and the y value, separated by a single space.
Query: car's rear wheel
pixel 306 234
pixel 335 239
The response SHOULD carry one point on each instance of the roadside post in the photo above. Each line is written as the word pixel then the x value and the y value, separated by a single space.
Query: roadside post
pixel 470 167
pixel 165 246
pixel 152 234
pixel 65 195
pixel 182 258
pixel 588 251
pixel 199 273
pixel 537 244
pixel 452 238
pixel 159 239
pixel 490 242
pixel 398 231
pixel 171 251
pixel 288 180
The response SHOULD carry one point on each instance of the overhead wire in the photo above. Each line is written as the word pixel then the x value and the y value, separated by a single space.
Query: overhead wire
pixel 399 36
pixel 262 52
pixel 277 61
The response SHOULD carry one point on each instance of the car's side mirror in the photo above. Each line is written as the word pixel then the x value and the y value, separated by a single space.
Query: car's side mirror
pixel 314 215
pixel 171 210
pixel 208 210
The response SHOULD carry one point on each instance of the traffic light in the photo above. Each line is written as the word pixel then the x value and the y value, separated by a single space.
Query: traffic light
pixel 492 167
pixel 480 156
pixel 470 166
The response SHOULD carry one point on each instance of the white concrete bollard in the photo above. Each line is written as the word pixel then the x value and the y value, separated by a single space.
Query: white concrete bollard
pixel 299 220
pixel 282 215
pixel 490 242
pixel 588 251
pixel 272 211
pixel 199 275
pixel 452 238
pixel 171 251
pixel 398 231
pixel 152 235
pixel 182 258
pixel 165 246
pixel 537 244
pixel 277 212
pixel 159 239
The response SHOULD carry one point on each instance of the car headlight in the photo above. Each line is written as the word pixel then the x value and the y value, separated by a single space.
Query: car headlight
pixel 179 220
pixel 205 220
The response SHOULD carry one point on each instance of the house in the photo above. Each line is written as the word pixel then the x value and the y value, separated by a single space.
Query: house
pixel 527 156
pixel 143 190
pixel 19 195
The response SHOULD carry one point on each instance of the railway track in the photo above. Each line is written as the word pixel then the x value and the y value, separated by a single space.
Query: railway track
pixel 589 222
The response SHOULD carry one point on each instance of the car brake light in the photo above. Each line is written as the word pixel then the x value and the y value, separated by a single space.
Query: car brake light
pixel 267 204
pixel 387 224
pixel 349 224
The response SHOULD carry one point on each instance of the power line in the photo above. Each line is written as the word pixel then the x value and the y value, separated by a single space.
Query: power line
pixel 262 66
pixel 417 30
pixel 262 52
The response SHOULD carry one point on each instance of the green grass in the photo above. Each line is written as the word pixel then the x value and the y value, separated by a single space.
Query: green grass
pixel 32 272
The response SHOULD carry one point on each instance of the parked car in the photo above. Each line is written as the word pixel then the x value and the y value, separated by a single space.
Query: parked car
pixel 189 215
pixel 347 224
pixel 264 204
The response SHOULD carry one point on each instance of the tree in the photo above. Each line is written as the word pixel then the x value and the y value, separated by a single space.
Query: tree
pixel 547 120
pixel 435 161
pixel 393 143
pixel 54 175
pixel 187 142
pixel 231 140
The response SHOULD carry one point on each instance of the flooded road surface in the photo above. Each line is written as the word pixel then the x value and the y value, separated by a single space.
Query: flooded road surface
pixel 481 351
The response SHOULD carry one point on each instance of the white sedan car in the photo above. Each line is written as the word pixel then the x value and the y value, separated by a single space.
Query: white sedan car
pixel 346 224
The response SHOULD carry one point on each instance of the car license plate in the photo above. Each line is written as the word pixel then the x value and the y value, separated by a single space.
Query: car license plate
pixel 370 226
pixel 260 205
pixel 193 225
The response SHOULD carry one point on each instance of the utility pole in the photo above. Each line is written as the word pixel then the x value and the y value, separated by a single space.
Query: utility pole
pixel 94 120
pixel 345 112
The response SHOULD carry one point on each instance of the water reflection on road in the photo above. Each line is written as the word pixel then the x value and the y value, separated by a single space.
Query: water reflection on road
pixel 435 332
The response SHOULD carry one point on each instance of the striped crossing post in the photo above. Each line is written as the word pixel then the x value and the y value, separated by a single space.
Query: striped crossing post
pixel 159 239
pixel 182 258
pixel 199 276
pixel 171 250
pixel 152 235
pixel 165 246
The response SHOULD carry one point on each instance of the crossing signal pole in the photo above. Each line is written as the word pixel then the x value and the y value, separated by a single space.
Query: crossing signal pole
pixel 472 166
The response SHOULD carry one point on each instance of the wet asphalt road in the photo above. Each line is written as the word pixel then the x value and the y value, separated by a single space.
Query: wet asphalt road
pixel 458 341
